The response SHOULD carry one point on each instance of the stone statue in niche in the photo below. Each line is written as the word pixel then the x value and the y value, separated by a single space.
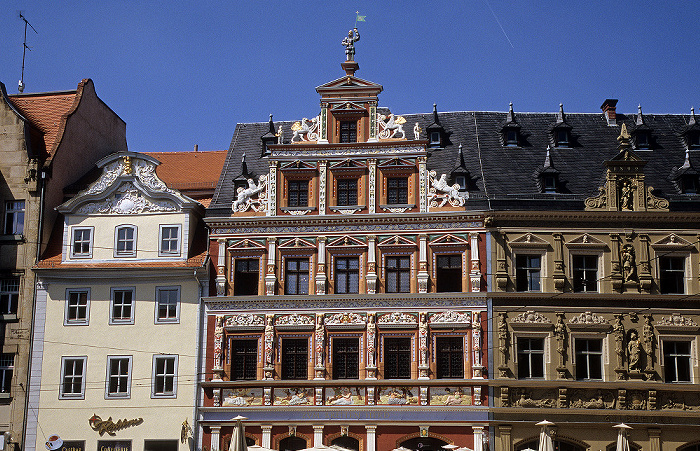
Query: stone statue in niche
pixel 629 264
pixel 627 195
pixel 634 351
pixel 560 334
pixel 619 333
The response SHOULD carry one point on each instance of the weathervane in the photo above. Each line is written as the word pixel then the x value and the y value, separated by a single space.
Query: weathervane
pixel 352 37
pixel 24 51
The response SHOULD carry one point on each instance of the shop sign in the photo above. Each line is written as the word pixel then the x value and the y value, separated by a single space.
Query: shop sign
pixel 73 445
pixel 109 426
pixel 114 445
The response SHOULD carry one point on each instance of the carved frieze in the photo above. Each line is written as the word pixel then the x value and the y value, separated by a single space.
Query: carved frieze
pixel 592 399
pixel 588 318
pixel 295 320
pixel 345 319
pixel 545 398
pixel 248 320
pixel 676 322
pixel 451 317
pixel 530 317
pixel 398 319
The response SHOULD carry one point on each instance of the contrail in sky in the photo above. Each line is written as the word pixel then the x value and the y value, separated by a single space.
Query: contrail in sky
pixel 499 23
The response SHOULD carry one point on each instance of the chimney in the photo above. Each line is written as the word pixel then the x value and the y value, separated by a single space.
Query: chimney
pixel 608 108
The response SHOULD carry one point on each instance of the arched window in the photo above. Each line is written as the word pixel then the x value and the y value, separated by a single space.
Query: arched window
pixel 292 444
pixel 424 444
pixel 346 442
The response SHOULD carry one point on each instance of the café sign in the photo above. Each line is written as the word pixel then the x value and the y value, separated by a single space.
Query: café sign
pixel 110 427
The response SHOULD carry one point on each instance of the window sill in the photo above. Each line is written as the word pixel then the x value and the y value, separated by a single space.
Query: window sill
pixel 80 396
pixel 397 208
pixel 5 396
pixel 297 210
pixel 346 209
pixel 12 238
pixel 9 318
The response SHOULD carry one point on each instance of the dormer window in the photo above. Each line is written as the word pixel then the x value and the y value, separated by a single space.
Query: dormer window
pixel 689 184
pixel 435 139
pixel 641 139
pixel 549 183
pixel 462 182
pixel 348 131
pixel 561 137
pixel 694 140
pixel 511 137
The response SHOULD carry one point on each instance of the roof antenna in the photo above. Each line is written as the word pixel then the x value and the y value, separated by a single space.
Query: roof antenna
pixel 24 51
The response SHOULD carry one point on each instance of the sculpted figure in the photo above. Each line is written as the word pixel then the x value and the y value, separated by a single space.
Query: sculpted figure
pixel 349 43
pixel 626 196
pixel 451 192
pixel 245 195
pixel 416 132
pixel 634 351
pixel 629 265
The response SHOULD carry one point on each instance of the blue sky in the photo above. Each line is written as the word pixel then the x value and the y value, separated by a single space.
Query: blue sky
pixel 182 73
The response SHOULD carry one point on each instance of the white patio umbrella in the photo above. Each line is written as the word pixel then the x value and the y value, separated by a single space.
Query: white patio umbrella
pixel 259 448
pixel 319 448
pixel 449 447
pixel 401 448
pixel 546 443
pixel 238 438
pixel 623 443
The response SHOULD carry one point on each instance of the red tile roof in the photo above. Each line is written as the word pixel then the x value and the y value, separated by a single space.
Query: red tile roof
pixel 190 171
pixel 48 111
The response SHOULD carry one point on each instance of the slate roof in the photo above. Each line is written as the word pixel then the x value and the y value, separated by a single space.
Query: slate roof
pixel 504 177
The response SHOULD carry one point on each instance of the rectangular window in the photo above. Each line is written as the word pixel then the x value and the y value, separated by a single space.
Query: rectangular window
pixel 244 358
pixel 585 272
pixel 398 274
pixel 14 217
pixel 245 276
pixel 298 193
pixel 73 377
pixel 676 361
pixel 527 272
pixel 164 384
pixel 169 240
pixel 589 359
pixel 296 276
pixel 295 358
pixel 82 242
pixel 562 137
pixel 122 311
pixel 77 306
pixel 449 273
pixel 530 358
pixel 125 241
pixel 346 358
pixel 671 275
pixel 347 192
pixel 9 295
pixel 397 358
pixel 511 137
pixel 397 190
pixel 347 275
pixel 7 366
pixel 348 131
pixel 118 376
pixel 167 304
pixel 450 357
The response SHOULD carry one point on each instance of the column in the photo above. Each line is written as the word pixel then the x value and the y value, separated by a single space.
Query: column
pixel 266 435
pixel 322 191
pixel 558 275
pixel 270 278
pixel 372 185
pixel 477 367
pixel 475 270
pixel 321 278
pixel 318 436
pixel 215 439
pixel 371 265
pixel 323 132
pixel 422 263
pixel 478 438
pixel 504 435
pixel 371 437
pixel 221 268
pixel 654 439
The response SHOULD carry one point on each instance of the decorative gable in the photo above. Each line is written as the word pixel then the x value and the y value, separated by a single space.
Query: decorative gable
pixel 449 240
pixel 246 245
pixel 529 241
pixel 296 244
pixel 586 241
pixel 345 242
pixel 397 241
pixel 672 242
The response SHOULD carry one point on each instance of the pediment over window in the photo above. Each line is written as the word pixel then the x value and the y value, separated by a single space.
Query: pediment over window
pixel 349 108
pixel 449 240
pixel 348 82
pixel 397 241
pixel 297 244
pixel 345 242
pixel 348 163
pixel 246 321
pixel 586 241
pixel 673 242
pixel 450 319
pixel 397 319
pixel 677 323
pixel 246 245
pixel 397 163
pixel 295 322
pixel 298 165
pixel 529 241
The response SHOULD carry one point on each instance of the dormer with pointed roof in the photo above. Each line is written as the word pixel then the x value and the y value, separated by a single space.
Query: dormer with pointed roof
pixel 435 131
pixel 561 131
pixel 511 129
pixel 685 177
pixel 641 133
pixel 460 174
pixel 691 132
pixel 268 138
pixel 547 176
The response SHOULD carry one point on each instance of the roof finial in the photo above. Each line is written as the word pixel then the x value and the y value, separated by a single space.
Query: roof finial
pixel 640 118
pixel 349 43
pixel 272 126
pixel 244 165
pixel 547 159
pixel 560 115
pixel 511 115
pixel 435 114
pixel 692 116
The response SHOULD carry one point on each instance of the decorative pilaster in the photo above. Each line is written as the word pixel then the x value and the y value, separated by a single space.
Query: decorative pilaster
pixel 269 366
pixel 560 333
pixel 558 274
pixel 654 439
pixel 221 268
pixel 321 278
pixel 218 369
pixel 503 342
pixel 649 341
pixel 266 435
pixel 322 182
pixel 272 190
pixel 318 436
pixel 372 185
pixel 320 348
pixel 619 335
pixel 372 123
pixel 270 277
pixel 422 263
pixel 616 274
pixel 371 264
pixel 501 266
pixel 423 182
pixel 371 437
pixel 645 278
pixel 475 270
pixel 323 127
pixel 215 438
pixel 477 367
pixel 504 433
pixel 423 365
pixel 371 346
pixel 478 432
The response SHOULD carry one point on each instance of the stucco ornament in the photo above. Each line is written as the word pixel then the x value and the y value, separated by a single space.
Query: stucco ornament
pixel 127 200
pixel 295 320
pixel 252 198
pixel 390 126
pixel 531 317
pixel 306 129
pixel 245 320
pixel 441 193
pixel 451 317
pixel 588 318
pixel 397 318
pixel 676 319
pixel 345 318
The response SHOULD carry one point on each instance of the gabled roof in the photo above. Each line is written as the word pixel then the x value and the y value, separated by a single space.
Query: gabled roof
pixel 189 170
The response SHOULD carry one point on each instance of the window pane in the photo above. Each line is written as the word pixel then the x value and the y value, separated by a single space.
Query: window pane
pixel 246 276
pixel 398 274
pixel 527 272
pixel 397 358
pixel 450 357
pixel 346 358
pixel 244 359
pixel 296 276
pixel 9 295
pixel 295 358
pixel 347 275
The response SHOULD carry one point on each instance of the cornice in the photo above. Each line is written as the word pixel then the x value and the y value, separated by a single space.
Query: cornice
pixel 592 219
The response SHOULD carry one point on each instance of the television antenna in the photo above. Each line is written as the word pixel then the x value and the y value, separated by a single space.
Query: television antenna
pixel 24 50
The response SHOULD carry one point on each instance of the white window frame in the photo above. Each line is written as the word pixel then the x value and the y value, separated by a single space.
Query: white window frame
pixel 169 253
pixel 686 268
pixel 61 393
pixel 12 212
pixel 543 266
pixel 603 358
pixel 117 240
pixel 693 355
pixel 127 394
pixel 130 320
pixel 599 276
pixel 176 319
pixel 8 294
pixel 546 359
pixel 3 371
pixel 154 375
pixel 66 317
pixel 90 242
